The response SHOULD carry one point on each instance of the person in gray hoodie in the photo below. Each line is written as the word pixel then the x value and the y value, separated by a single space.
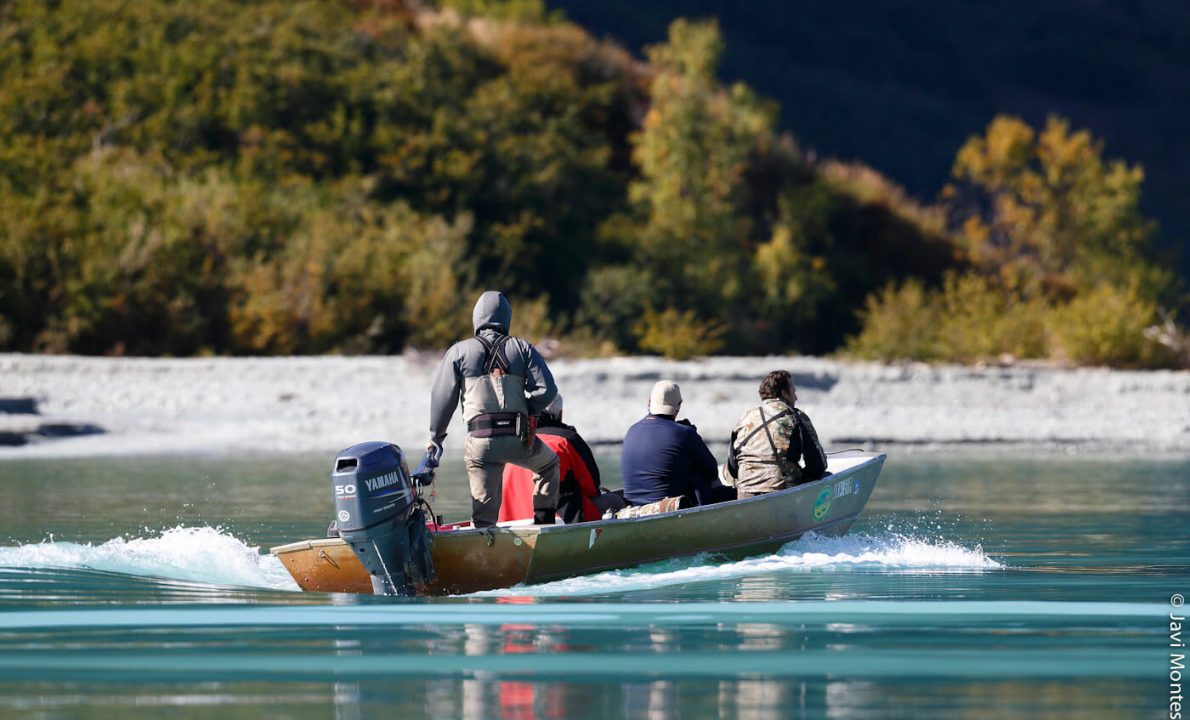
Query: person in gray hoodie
pixel 503 384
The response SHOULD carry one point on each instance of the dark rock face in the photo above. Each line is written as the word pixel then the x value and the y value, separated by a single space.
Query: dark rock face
pixel 28 426
pixel 62 430
pixel 18 406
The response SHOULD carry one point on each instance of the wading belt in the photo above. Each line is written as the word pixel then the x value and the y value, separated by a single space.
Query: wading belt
pixel 495 424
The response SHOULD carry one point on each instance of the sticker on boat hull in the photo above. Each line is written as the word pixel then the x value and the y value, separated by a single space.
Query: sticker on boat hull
pixel 846 487
pixel 822 503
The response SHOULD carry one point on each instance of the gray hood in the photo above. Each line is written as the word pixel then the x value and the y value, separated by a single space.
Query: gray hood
pixel 492 311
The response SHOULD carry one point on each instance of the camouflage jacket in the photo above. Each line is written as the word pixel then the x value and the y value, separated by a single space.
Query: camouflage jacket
pixel 766 445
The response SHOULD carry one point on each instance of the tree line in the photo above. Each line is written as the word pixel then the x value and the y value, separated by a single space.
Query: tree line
pixel 220 177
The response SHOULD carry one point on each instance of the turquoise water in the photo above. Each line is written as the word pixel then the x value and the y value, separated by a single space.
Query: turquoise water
pixel 973 586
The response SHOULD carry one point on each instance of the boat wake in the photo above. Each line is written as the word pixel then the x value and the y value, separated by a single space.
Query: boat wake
pixel 189 554
pixel 213 556
pixel 886 553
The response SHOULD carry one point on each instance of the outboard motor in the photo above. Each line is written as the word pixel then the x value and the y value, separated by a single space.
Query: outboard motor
pixel 378 515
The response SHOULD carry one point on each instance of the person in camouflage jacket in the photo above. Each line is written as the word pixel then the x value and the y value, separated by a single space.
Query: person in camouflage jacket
pixel 769 440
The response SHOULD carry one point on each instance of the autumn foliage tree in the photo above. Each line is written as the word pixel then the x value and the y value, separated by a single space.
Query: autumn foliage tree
pixel 1062 260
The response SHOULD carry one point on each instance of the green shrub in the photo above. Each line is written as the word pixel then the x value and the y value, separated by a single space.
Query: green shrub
pixel 355 278
pixel 899 323
pixel 614 298
pixel 1107 327
pixel 679 335
pixel 980 321
pixel 966 320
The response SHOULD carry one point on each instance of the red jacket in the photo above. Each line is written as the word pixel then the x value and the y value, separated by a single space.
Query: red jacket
pixel 573 474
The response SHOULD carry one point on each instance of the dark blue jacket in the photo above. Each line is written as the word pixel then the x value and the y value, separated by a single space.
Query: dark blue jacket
pixel 663 458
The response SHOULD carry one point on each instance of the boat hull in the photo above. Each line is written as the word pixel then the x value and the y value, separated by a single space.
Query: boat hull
pixel 472 560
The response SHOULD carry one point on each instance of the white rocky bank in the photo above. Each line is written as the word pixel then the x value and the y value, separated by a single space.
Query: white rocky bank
pixel 316 404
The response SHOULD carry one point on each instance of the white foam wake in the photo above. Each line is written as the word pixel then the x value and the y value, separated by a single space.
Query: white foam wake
pixel 191 554
pixel 894 553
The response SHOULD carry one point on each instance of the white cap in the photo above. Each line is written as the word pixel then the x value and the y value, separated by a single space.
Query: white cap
pixel 666 398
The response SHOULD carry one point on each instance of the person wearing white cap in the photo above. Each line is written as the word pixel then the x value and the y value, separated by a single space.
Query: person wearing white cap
pixel 663 457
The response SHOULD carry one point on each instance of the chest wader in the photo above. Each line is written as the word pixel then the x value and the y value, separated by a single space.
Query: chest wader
pixel 494 403
pixel 497 417
pixel 762 460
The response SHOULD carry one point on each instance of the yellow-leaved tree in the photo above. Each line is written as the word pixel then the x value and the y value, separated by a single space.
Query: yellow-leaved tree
pixel 1048 215
pixel 693 149
pixel 1061 259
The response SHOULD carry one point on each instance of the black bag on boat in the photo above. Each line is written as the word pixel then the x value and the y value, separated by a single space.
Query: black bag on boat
pixel 609 501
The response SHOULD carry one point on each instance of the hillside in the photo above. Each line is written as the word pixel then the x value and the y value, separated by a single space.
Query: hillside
pixel 275 178
pixel 901 85
pixel 344 176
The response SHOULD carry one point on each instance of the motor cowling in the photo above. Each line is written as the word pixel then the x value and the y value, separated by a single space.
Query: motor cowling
pixel 377 514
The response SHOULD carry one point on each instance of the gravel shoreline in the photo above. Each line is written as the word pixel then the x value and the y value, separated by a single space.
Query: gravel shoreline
pixel 63 406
